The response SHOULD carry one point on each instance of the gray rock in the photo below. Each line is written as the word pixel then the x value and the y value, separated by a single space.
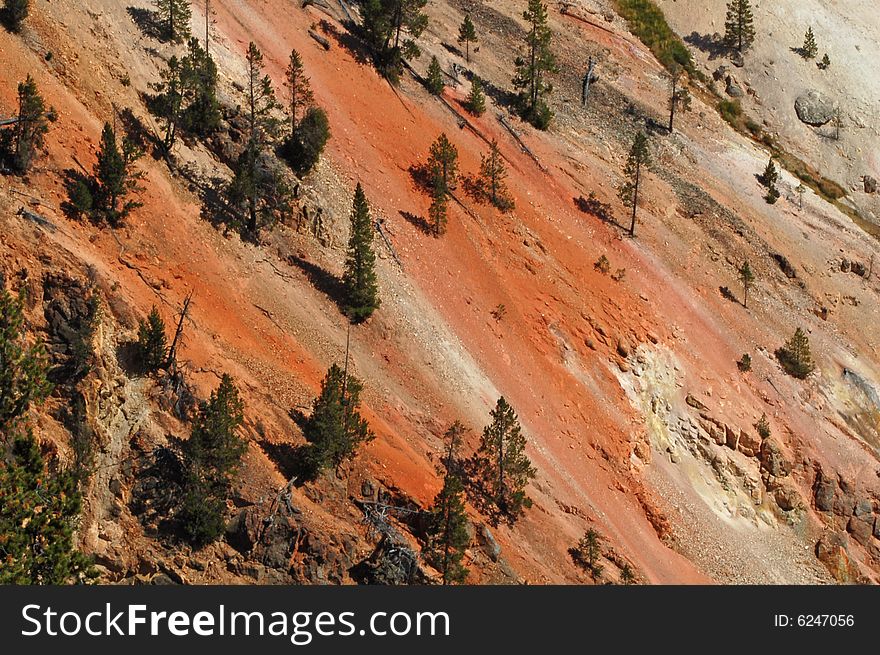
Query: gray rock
pixel 734 90
pixel 488 543
pixel 813 108
pixel 870 184
pixel 737 59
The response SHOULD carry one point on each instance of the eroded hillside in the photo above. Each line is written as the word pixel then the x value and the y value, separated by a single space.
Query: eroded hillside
pixel 639 422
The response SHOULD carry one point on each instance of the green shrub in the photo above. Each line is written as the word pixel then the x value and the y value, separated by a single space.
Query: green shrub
pixel 647 22
pixel 302 150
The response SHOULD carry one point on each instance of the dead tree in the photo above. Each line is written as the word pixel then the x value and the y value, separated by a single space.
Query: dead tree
pixel 171 361
pixel 589 78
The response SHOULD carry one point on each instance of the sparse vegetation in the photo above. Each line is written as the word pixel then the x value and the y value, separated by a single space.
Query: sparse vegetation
pixel 763 427
pixel 825 63
pixel 648 23
pixel 747 278
pixel 795 356
pixel 744 364
pixel 603 265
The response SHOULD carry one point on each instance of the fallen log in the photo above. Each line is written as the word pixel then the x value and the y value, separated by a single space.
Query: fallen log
pixel 522 145
pixel 320 39
pixel 36 218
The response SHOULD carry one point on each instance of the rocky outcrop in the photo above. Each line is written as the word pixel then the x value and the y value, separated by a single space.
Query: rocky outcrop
pixel 832 551
pixel 813 108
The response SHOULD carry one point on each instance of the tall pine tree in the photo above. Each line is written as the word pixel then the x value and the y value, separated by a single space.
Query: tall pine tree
pixel 28 133
pixel 212 456
pixel 443 171
pixel 739 26
pixel 447 530
pixel 359 282
pixel 335 429
pixel 174 17
pixel 532 68
pixel 629 190
pixel 115 177
pixel 391 28
pixel 467 34
pixel 299 90
pixel 491 179
pixel 501 467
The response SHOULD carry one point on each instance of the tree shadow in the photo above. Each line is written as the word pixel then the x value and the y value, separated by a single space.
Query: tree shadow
pixel 711 44
pixel 475 189
pixel 216 208
pixel 421 177
pixel 128 356
pixel 420 223
pixel 79 187
pixel 799 51
pixel 500 96
pixel 294 462
pixel 137 132
pixel 595 207
pixel 322 280
pixel 727 294
pixel 349 40
pixel 147 21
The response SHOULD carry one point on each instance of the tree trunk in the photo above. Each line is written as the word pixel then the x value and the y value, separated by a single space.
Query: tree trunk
pixel 632 226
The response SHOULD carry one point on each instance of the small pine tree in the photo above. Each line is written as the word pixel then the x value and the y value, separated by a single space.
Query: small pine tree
pixel 809 49
pixel 739 25
pixel 199 78
pixel 467 34
pixel 303 150
pixel 443 163
pixel 746 277
pixel 491 180
pixel 744 364
pixel 627 577
pixel 23 371
pixel 763 427
pixel 447 530
pixel 533 68
pixel 212 456
pixel 335 429
pixel 476 100
pixel 359 282
pixel 434 80
pixel 501 467
pixel 587 553
pixel 770 176
pixel 795 355
pixel 679 97
pixel 152 343
pixel 28 133
pixel 825 63
pixel 299 90
pixel 772 195
pixel 628 192
pixel 174 17
pixel 14 14
pixel 115 178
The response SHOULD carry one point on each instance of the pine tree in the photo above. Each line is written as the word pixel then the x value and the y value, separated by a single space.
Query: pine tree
pixel 628 192
pixel 443 163
pixel 303 150
pixel 359 282
pixel 739 26
pixel 501 466
pixel 746 277
pixel 299 90
pixel 770 175
pixel 152 342
pixel 335 429
pixel 825 63
pixel 39 510
pixel 28 133
pixel 391 28
pixel 809 49
pixel 22 366
pixel 212 456
pixel 491 179
pixel 115 178
pixel 174 17
pixel 626 575
pixel 434 80
pixel 679 98
pixel 532 69
pixel 795 355
pixel 467 34
pixel 168 105
pixel 588 551
pixel 14 14
pixel 447 531
pixel 762 427
pixel 476 100
pixel 261 102
pixel 437 210
pixel 199 81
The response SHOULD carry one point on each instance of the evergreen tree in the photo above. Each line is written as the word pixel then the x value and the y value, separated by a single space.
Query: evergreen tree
pixel 391 28
pixel 14 14
pixel 746 277
pixel 22 366
pixel 359 282
pixel 443 163
pixel 739 27
pixel 261 102
pixel 770 175
pixel 434 81
pixel 679 97
pixel 447 530
pixel 533 68
pixel 299 90
pixel 467 34
pixel 772 195
pixel 588 551
pixel 174 16
pixel 201 115
pixel 437 210
pixel 825 63
pixel 335 429
pixel 212 456
pixel 639 156
pixel 795 355
pixel 152 342
pixel 39 510
pixel 501 466
pixel 168 104
pixel 304 148
pixel 763 426
pixel 809 49
pixel 491 179
pixel 626 575
pixel 115 178
pixel 476 100
pixel 28 133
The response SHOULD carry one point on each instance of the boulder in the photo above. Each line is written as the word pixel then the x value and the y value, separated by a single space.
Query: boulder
pixel 787 497
pixel 831 550
pixel 870 184
pixel 488 543
pixel 734 90
pixel 721 73
pixel 813 108
pixel 861 529
pixel 737 59
pixel 823 493
pixel 749 443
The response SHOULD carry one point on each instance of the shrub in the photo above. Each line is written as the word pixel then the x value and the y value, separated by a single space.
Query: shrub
pixel 648 23
pixel 602 265
pixel 731 111
pixel 763 427
pixel 303 149
pixel 152 344
pixel 745 363
pixel 795 355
